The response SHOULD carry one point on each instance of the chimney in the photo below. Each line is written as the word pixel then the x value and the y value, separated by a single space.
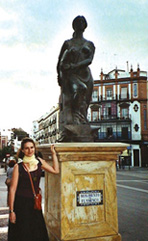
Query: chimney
pixel 127 67
pixel 101 74
pixel 131 71
pixel 138 70
pixel 116 73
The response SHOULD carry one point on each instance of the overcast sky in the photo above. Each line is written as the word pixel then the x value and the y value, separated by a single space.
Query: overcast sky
pixel 32 33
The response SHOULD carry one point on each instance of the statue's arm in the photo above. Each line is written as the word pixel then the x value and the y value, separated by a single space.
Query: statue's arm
pixel 64 47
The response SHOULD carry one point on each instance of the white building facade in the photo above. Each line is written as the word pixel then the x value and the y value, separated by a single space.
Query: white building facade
pixel 119 107
pixel 47 130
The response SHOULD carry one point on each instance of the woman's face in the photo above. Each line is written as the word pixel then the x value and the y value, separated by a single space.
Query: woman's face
pixel 29 149
pixel 80 25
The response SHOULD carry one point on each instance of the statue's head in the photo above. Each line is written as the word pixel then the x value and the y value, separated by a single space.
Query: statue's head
pixel 79 23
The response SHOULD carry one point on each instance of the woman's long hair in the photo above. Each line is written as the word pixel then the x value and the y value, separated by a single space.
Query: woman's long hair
pixel 20 154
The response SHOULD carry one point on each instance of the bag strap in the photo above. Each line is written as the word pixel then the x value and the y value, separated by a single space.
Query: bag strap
pixel 34 193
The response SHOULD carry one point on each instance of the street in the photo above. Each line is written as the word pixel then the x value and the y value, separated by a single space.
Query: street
pixel 132 193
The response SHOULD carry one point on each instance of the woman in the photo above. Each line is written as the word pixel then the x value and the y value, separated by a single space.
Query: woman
pixel 26 223
pixel 74 76
pixel 11 164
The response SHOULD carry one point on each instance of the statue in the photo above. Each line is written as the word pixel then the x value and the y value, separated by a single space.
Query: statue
pixel 76 82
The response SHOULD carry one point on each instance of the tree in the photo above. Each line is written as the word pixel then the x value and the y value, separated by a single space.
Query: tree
pixel 20 133
pixel 7 150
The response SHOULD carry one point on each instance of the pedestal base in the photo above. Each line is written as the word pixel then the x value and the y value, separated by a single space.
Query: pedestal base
pixel 81 202
pixel 107 238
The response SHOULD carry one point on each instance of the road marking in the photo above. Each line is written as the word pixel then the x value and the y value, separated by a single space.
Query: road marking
pixel 4 216
pixel 143 180
pixel 4 230
pixel 132 188
pixel 4 208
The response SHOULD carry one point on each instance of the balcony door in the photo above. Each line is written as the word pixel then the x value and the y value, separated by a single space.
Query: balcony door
pixel 124 132
pixel 136 158
pixel 109 132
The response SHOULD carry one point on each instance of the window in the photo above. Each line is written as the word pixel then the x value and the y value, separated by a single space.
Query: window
pixel 124 112
pixel 114 109
pixel 108 110
pixel 145 120
pixel 124 93
pixel 109 94
pixel 135 90
pixel 94 115
pixel 109 132
pixel 95 95
pixel 125 132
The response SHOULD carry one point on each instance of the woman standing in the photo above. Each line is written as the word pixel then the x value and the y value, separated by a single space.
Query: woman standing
pixel 11 164
pixel 26 223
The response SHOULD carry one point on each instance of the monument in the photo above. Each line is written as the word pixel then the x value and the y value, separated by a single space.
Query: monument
pixel 76 82
pixel 81 201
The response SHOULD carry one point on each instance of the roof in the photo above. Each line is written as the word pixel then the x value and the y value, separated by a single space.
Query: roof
pixel 114 70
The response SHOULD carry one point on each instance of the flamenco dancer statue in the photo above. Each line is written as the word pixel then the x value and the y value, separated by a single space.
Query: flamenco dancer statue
pixel 76 82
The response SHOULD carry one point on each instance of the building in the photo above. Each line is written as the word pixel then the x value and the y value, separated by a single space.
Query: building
pixel 6 136
pixel 119 107
pixel 48 127
pixel 17 144
pixel 11 137
pixel 34 129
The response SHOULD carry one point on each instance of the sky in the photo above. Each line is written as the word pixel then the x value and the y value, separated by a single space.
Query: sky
pixel 32 33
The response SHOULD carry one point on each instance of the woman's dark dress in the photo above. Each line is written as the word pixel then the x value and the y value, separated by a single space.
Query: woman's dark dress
pixel 30 224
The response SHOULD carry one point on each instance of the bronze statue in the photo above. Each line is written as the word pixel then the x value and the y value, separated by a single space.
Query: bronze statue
pixel 75 79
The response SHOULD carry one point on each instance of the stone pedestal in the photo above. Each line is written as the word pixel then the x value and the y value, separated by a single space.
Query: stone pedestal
pixel 81 201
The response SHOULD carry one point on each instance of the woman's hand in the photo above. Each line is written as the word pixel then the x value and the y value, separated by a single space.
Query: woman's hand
pixel 52 149
pixel 55 159
pixel 55 168
pixel 12 217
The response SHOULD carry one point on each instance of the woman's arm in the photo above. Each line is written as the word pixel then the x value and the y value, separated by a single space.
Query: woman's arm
pixel 12 191
pixel 55 168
